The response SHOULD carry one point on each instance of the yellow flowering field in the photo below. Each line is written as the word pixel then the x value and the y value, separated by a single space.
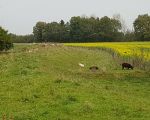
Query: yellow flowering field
pixel 138 49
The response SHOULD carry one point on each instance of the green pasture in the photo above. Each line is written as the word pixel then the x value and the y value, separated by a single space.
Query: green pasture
pixel 45 82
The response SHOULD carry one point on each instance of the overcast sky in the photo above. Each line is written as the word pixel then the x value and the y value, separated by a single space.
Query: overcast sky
pixel 19 16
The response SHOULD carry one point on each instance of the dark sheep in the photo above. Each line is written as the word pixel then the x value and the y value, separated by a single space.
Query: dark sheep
pixel 93 68
pixel 127 65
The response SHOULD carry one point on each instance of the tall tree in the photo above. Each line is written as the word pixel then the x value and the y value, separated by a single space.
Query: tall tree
pixel 62 22
pixel 83 28
pixel 75 28
pixel 55 32
pixel 38 30
pixel 118 17
pixel 109 28
pixel 142 27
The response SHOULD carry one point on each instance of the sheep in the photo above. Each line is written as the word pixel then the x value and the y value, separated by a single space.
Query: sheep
pixel 93 68
pixel 81 65
pixel 127 65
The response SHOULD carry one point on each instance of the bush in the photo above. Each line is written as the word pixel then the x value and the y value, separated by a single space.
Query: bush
pixel 5 42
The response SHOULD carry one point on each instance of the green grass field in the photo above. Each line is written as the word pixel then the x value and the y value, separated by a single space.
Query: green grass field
pixel 40 82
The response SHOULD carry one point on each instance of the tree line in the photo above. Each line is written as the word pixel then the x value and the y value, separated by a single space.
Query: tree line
pixel 82 29
pixel 92 29
pixel 79 29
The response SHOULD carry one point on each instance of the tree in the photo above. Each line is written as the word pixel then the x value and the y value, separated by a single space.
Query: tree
pixel 122 21
pixel 62 22
pixel 83 28
pixel 142 27
pixel 38 30
pixel 55 32
pixel 5 42
pixel 75 28
pixel 109 29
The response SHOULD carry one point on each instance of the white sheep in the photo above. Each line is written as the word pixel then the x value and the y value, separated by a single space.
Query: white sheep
pixel 81 65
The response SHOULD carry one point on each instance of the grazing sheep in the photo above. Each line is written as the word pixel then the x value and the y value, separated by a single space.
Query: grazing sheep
pixel 93 68
pixel 81 65
pixel 127 65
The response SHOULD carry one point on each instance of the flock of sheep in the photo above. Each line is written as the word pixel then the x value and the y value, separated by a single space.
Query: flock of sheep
pixel 94 68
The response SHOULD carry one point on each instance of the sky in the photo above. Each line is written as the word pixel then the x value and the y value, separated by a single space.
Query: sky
pixel 19 16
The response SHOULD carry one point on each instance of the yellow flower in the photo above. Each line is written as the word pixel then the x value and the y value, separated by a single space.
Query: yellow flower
pixel 138 49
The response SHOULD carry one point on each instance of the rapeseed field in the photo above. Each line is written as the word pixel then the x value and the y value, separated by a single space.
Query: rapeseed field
pixel 129 49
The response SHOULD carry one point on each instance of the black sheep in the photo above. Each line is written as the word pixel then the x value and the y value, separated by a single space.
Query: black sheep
pixel 127 65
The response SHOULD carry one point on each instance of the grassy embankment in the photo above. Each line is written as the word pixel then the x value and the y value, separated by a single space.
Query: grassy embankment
pixel 136 53
pixel 40 82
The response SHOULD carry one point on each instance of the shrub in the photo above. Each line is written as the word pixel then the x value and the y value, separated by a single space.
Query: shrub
pixel 5 42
